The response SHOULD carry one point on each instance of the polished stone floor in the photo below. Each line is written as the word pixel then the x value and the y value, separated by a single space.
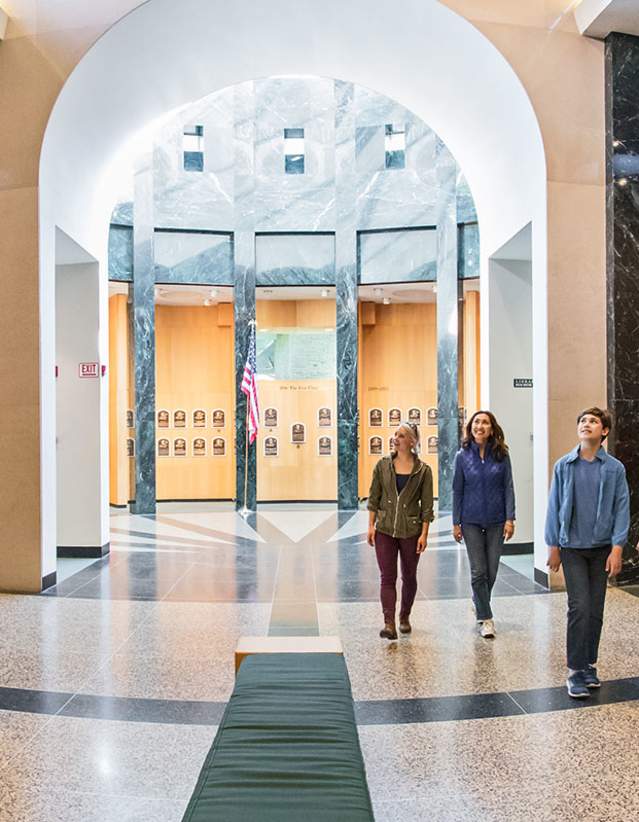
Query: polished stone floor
pixel 113 682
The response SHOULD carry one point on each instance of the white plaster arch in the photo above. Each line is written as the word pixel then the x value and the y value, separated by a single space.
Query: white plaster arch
pixel 164 54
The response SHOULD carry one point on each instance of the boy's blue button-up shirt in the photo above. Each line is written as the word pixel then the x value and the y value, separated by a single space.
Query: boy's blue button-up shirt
pixel 612 519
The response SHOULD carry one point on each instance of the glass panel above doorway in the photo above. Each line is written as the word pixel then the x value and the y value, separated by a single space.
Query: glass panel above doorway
pixel 404 255
pixel 193 257
pixel 295 259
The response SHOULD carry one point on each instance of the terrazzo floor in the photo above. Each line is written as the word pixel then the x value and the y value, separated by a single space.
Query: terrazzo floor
pixel 113 681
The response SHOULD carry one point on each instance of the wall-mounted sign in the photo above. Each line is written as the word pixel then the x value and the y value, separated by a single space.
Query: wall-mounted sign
pixel 522 382
pixel 88 370
pixel 431 416
pixel 163 419
pixel 219 447
pixel 199 418
pixel 270 418
pixel 199 447
pixel 375 446
pixel 218 418
pixel 298 433
pixel 324 447
pixel 164 447
pixel 324 418
pixel 179 447
pixel 415 416
pixel 270 447
pixel 179 418
pixel 394 416
pixel 433 442
pixel 375 417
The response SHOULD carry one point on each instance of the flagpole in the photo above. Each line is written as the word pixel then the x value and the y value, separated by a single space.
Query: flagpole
pixel 245 511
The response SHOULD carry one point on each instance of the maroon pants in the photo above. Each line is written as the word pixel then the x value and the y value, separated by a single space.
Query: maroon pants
pixel 387 549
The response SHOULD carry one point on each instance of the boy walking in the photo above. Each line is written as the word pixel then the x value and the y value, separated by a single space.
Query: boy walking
pixel 587 525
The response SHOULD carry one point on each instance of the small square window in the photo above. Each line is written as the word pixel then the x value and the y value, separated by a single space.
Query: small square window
pixel 395 145
pixel 294 150
pixel 193 147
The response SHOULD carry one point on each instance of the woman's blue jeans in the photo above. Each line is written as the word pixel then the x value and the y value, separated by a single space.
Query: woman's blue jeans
pixel 484 547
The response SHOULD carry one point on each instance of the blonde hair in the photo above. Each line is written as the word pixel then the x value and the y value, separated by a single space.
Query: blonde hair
pixel 412 429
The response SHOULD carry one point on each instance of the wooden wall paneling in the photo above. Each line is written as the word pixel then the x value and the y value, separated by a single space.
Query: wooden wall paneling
pixel 195 369
pixel 119 470
pixel 471 343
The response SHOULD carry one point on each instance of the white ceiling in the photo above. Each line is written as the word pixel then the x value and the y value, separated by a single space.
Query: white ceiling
pixel 68 252
pixel 597 18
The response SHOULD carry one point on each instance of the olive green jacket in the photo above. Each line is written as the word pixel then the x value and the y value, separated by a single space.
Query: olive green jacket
pixel 401 515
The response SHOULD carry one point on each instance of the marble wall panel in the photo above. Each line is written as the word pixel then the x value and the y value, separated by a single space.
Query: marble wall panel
pixel 144 339
pixel 300 259
pixel 468 250
pixel 121 253
pixel 622 198
pixel 397 256
pixel 182 257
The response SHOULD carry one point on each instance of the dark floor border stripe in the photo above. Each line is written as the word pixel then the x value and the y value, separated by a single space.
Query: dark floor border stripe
pixel 367 712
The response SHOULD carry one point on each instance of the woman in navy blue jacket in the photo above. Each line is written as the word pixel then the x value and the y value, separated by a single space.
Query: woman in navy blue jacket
pixel 483 507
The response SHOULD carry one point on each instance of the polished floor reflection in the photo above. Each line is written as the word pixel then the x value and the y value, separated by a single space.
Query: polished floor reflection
pixel 113 682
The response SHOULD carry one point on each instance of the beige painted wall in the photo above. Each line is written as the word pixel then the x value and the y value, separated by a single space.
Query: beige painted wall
pixel 563 74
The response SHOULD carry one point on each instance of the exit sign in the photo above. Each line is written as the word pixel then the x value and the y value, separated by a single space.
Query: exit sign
pixel 87 370
pixel 522 382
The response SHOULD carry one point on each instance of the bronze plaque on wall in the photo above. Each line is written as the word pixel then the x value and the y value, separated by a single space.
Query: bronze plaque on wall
pixel 130 447
pixel 219 447
pixel 325 447
pixel 199 418
pixel 432 416
pixel 218 418
pixel 433 442
pixel 164 447
pixel 163 418
pixel 270 447
pixel 394 416
pixel 130 418
pixel 375 446
pixel 179 447
pixel 325 417
pixel 375 417
pixel 199 447
pixel 179 418
pixel 415 416
pixel 298 433
pixel 270 418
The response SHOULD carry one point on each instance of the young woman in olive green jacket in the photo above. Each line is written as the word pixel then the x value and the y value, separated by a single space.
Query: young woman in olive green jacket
pixel 400 504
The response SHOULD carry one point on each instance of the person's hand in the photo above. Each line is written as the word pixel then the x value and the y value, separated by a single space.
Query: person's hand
pixel 371 535
pixel 613 563
pixel 457 533
pixel 421 544
pixel 554 558
pixel 509 529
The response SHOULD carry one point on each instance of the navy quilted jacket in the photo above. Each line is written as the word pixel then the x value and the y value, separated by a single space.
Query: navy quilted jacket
pixel 483 490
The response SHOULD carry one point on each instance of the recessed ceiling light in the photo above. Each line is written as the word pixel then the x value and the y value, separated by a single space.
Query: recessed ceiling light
pixel 386 300
pixel 207 302
pixel 324 292
pixel 434 289
pixel 214 292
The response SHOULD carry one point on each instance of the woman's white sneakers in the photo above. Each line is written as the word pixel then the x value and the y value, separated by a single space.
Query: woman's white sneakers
pixel 487 629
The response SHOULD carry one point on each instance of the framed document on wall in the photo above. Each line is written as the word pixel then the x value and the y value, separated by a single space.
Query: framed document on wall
pixel 270 418
pixel 218 418
pixel 130 447
pixel 130 418
pixel 394 416
pixel 270 447
pixel 298 433
pixel 179 447
pixel 433 442
pixel 199 418
pixel 375 417
pixel 164 447
pixel 199 447
pixel 432 416
pixel 415 415
pixel 375 446
pixel 219 447
pixel 163 418
pixel 179 418
pixel 325 418
pixel 324 447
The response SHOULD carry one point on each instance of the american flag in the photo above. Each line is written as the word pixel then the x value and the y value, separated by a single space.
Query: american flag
pixel 249 387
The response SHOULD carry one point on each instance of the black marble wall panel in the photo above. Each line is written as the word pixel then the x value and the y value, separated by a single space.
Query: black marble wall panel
pixel 448 325
pixel 244 281
pixel 346 295
pixel 144 339
pixel 622 259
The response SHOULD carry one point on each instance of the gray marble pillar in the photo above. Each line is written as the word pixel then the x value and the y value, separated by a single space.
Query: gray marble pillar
pixel 144 337
pixel 346 295
pixel 622 264
pixel 448 324
pixel 244 294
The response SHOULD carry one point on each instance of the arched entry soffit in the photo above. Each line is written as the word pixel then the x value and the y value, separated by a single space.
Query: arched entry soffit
pixel 164 55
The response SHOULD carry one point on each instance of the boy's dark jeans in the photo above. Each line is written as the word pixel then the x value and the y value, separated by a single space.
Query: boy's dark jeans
pixel 484 547
pixel 586 582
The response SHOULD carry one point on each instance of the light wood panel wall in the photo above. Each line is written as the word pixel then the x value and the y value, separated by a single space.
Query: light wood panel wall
pixel 471 357
pixel 298 472
pixel 120 466
pixel 195 370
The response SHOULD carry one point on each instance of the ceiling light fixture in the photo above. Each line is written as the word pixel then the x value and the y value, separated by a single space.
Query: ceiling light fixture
pixel 434 289
pixel 378 292
pixel 214 292
pixel 324 292
pixel 207 302
pixel 386 300
pixel 622 181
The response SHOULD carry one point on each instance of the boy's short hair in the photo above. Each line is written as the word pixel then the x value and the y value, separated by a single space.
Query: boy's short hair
pixel 602 414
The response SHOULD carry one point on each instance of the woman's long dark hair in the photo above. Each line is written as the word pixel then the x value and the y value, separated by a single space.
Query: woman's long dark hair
pixel 497 440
